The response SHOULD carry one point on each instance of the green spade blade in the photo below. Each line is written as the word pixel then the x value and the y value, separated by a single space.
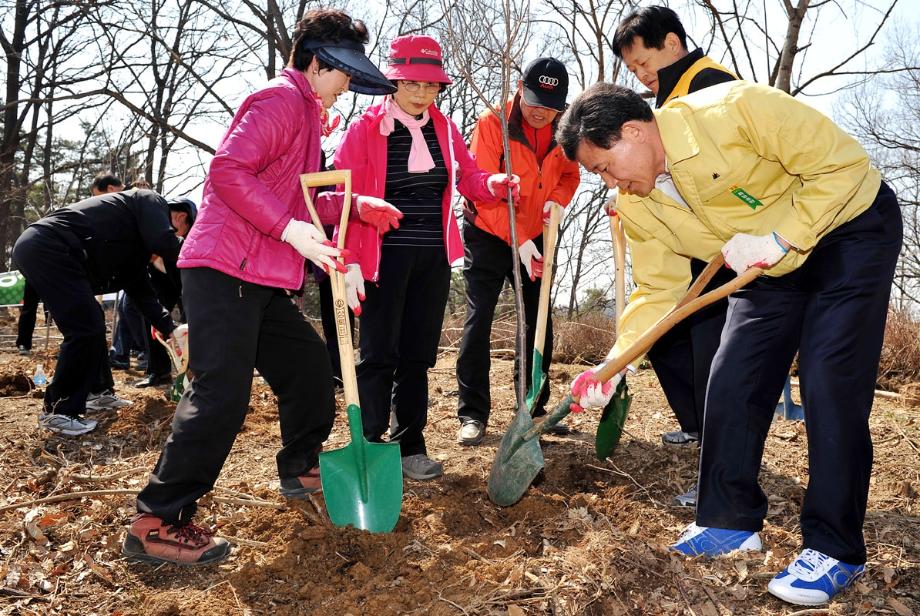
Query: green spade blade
pixel 362 482
pixel 610 427
pixel 519 458
pixel 537 380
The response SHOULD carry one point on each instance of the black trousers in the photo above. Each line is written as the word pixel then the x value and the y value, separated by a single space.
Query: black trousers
pixel 27 314
pixel 327 315
pixel 486 266
pixel 233 327
pixel 832 310
pixel 682 357
pixel 59 278
pixel 401 323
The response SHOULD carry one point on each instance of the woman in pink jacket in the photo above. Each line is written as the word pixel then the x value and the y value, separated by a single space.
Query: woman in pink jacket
pixel 241 260
pixel 407 152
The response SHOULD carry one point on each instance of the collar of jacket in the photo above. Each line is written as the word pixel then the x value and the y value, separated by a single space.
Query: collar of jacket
pixel 376 112
pixel 671 74
pixel 300 81
pixel 680 143
pixel 516 124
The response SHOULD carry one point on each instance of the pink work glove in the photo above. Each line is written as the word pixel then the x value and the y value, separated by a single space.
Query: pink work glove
pixel 498 184
pixel 378 213
pixel 744 251
pixel 531 259
pixel 589 393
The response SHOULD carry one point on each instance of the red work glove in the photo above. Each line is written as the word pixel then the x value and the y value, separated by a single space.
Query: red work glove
pixel 379 213
pixel 498 184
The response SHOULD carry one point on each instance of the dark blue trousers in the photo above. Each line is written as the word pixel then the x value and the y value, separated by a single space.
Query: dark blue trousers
pixel 833 310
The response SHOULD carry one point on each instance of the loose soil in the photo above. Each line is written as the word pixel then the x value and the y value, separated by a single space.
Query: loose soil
pixel 591 538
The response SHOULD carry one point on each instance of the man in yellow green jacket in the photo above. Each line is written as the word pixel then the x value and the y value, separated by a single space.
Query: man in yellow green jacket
pixel 749 171
pixel 652 43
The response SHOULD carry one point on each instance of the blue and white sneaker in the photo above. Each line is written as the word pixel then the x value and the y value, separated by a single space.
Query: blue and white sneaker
pixel 706 541
pixel 813 578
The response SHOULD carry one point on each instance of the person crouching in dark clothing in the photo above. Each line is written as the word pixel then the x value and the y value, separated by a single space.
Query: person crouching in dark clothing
pixel 96 246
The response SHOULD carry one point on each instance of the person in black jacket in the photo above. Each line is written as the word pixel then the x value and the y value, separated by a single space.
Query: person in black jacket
pixel 168 288
pixel 96 246
pixel 652 43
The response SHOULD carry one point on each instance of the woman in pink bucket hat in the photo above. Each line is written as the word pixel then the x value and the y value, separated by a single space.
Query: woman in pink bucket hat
pixel 407 152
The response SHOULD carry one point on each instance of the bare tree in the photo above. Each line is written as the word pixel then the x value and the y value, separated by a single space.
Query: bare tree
pixel 886 119
pixel 493 37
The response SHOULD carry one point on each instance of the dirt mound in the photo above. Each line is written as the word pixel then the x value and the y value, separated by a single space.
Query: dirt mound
pixel 14 383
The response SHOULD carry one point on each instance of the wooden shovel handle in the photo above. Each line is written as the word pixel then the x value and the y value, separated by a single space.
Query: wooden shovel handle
pixel 550 236
pixel 687 306
pixel 339 303
pixel 618 238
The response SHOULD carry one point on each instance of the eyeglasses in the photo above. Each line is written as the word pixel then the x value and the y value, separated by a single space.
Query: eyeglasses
pixel 415 86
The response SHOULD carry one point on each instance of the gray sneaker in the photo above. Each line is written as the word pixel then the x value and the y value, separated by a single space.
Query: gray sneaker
pixel 66 425
pixel 680 438
pixel 687 499
pixel 471 432
pixel 105 401
pixel 421 467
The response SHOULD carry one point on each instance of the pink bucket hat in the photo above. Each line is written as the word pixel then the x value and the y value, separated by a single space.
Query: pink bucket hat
pixel 416 58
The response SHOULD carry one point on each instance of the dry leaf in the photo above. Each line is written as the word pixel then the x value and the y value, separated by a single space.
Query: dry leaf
pixel 30 524
pixel 514 610
pixel 742 569
pixel 634 529
pixel 50 519
pixel 899 607
pixel 888 574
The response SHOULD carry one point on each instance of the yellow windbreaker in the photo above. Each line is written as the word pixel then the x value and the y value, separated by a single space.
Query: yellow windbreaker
pixel 747 158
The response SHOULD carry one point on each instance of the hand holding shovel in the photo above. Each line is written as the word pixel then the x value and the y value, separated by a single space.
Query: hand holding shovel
pixel 519 457
pixel 362 482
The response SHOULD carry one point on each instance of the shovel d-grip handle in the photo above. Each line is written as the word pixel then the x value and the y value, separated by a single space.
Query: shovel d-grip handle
pixel 691 302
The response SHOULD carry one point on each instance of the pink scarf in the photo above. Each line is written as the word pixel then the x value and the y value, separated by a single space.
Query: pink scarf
pixel 420 160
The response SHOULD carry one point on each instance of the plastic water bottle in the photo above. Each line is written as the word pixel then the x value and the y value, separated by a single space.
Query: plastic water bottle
pixel 39 378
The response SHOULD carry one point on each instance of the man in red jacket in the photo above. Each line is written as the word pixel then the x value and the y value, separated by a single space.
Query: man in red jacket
pixel 547 178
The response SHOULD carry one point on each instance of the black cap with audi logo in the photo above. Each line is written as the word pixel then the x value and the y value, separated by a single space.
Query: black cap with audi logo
pixel 546 83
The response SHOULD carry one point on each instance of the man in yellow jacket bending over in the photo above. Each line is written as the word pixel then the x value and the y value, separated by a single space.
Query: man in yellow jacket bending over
pixel 748 170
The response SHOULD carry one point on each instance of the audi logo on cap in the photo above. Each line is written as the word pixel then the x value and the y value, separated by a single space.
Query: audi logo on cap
pixel 548 82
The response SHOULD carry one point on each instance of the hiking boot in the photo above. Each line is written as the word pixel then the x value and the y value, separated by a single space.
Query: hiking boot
pixel 687 499
pixel 151 540
pixel 24 351
pixel 421 467
pixel 680 438
pixel 300 487
pixel 706 541
pixel 471 432
pixel 105 401
pixel 65 424
pixel 813 578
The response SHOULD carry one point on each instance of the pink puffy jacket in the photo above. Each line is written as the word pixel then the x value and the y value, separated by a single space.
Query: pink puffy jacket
pixel 364 150
pixel 253 187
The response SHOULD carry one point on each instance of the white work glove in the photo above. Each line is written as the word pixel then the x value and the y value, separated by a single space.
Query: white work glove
pixel 378 213
pixel 354 288
pixel 532 259
pixel 547 208
pixel 589 393
pixel 309 242
pixel 498 184
pixel 744 251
